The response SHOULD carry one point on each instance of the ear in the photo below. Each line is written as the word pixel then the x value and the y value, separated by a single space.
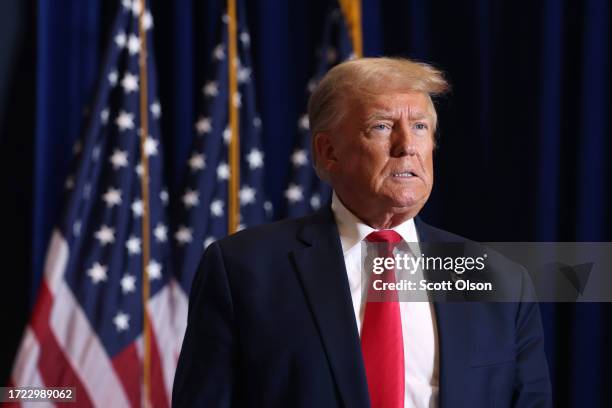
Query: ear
pixel 325 149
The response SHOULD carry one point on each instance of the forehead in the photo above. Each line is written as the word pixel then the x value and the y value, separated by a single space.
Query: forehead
pixel 410 104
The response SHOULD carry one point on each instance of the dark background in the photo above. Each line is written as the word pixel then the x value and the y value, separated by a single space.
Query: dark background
pixel 523 142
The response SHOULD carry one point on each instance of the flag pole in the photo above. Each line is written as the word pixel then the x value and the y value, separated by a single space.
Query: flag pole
pixel 144 182
pixel 352 14
pixel 234 144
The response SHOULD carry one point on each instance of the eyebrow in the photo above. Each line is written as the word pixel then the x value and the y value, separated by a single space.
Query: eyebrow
pixel 413 115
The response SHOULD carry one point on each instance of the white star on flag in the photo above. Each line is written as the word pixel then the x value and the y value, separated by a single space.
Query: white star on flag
pixel 243 75
pixel 161 233
pixel 136 7
pixel 247 195
pixel 203 125
pixel 128 283
pixel 129 83
pixel 315 202
pixel 163 195
pixel 125 121
pixel 216 208
pixel 299 158
pixel 112 197
pixel 304 123
pixel 150 146
pixel 119 159
pixel 210 89
pixel 257 122
pixel 120 39
pixel 106 235
pixel 197 162
pixel 255 158
pixel 190 198
pixel 154 270
pixel 104 116
pixel 219 52
pixel 183 235
pixel 133 44
pixel 121 321
pixel 312 84
pixel 133 245
pixel 294 193
pixel 137 208
pixel 208 241
pixel 245 38
pixel 147 22
pixel 223 171
pixel 156 109
pixel 97 273
pixel 227 135
pixel 113 77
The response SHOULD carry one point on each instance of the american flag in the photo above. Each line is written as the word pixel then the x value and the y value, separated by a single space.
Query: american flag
pixel 86 329
pixel 202 214
pixel 306 192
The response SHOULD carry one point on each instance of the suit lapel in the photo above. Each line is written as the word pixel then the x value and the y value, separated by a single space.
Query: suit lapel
pixel 321 269
pixel 453 339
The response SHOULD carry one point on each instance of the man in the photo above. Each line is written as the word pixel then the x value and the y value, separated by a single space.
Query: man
pixel 277 315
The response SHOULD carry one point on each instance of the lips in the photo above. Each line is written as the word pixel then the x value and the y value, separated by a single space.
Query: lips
pixel 403 174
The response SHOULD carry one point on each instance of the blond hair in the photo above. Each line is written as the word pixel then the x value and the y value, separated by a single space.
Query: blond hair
pixel 364 77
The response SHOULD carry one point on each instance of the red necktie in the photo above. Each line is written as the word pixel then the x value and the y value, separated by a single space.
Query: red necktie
pixel 382 342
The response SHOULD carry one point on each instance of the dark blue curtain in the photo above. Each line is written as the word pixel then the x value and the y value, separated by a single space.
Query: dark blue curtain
pixel 524 141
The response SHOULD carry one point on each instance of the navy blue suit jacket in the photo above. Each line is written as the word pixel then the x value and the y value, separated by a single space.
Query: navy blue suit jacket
pixel 271 324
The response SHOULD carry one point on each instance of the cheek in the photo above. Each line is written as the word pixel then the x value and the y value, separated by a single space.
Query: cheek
pixel 427 157
pixel 362 158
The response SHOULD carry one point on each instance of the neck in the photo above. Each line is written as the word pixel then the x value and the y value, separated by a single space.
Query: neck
pixel 378 219
pixel 385 221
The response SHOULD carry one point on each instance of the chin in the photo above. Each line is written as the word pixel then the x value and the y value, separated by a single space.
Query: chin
pixel 409 203
pixel 407 199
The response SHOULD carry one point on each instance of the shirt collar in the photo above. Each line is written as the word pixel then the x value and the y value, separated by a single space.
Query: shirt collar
pixel 352 230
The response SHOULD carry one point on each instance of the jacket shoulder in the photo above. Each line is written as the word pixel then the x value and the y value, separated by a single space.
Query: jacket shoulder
pixel 511 278
pixel 275 235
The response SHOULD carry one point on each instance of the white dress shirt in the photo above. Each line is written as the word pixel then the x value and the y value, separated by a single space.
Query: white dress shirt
pixel 418 320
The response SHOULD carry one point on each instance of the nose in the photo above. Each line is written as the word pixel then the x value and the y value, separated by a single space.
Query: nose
pixel 402 141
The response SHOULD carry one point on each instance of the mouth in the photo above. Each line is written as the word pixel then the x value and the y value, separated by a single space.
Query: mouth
pixel 404 174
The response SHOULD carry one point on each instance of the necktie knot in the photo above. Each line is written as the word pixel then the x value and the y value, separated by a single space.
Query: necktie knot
pixel 388 236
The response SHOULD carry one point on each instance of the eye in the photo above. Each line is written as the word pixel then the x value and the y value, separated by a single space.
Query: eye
pixel 421 126
pixel 380 127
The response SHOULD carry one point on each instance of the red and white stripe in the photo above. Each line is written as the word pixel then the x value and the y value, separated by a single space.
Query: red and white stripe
pixel 60 348
pixel 168 313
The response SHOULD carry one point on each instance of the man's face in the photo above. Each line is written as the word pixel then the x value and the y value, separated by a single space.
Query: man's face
pixel 380 157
